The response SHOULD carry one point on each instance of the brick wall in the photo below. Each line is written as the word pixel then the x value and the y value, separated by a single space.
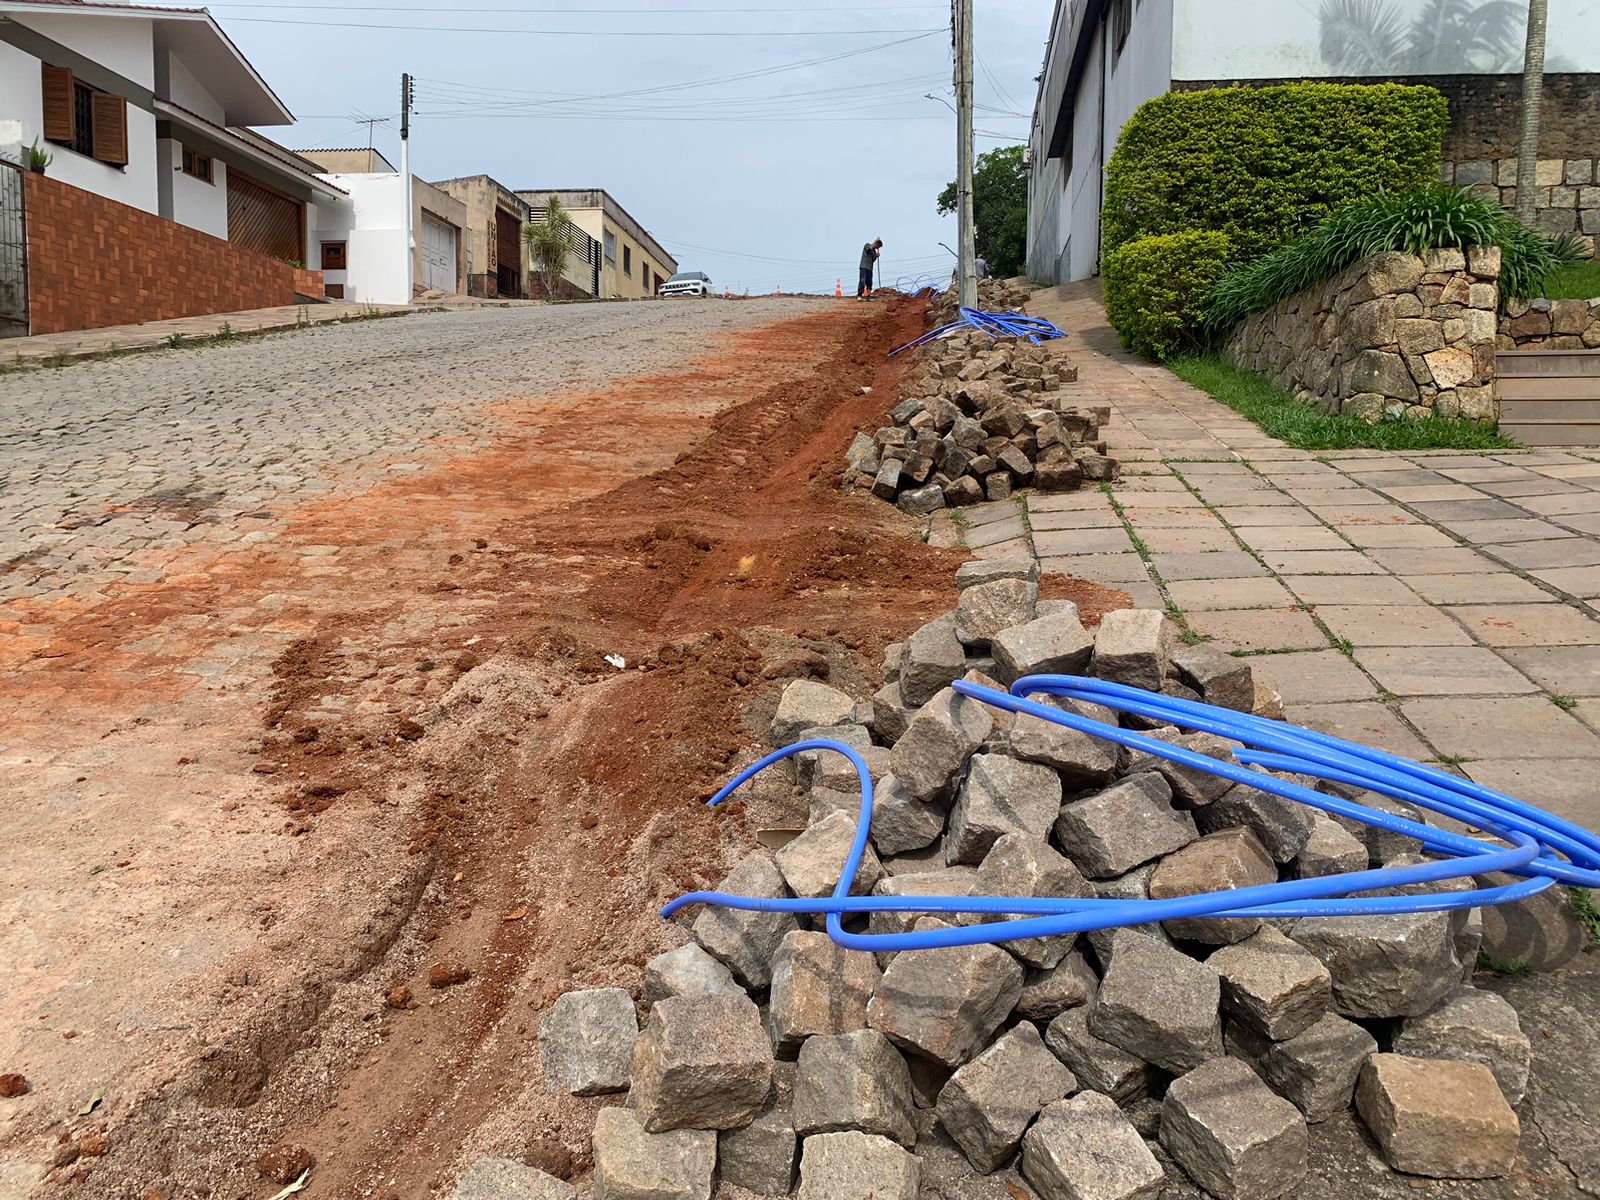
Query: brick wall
pixel 93 262
pixel 309 283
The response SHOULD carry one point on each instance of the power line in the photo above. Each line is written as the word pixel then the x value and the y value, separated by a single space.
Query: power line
pixel 624 33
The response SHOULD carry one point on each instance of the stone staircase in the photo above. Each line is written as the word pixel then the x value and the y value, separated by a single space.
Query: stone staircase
pixel 1550 397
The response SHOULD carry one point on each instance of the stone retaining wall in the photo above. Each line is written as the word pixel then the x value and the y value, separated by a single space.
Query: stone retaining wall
pixel 1396 335
pixel 1567 191
pixel 1550 325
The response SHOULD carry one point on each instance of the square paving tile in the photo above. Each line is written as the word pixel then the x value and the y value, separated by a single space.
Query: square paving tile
pixel 1562 552
pixel 1375 511
pixel 1081 541
pixel 1101 568
pixel 1581 470
pixel 1393 625
pixel 1007 510
pixel 1172 518
pixel 1423 493
pixel 1141 595
pixel 1416 536
pixel 1488 533
pixel 1452 560
pixel 1259 629
pixel 1443 671
pixel 1502 727
pixel 1321 562
pixel 1291 537
pixel 1074 518
pixel 1560 670
pixel 988 534
pixel 1587 523
pixel 1583 582
pixel 1018 547
pixel 1491 587
pixel 1350 589
pixel 1528 625
pixel 1332 491
pixel 1245 517
pixel 1486 474
pixel 1227 564
pixel 1563 786
pixel 1061 501
pixel 1162 541
pixel 1536 486
pixel 1584 501
pixel 1316 676
pixel 1470 510
pixel 1198 595
pixel 1368 723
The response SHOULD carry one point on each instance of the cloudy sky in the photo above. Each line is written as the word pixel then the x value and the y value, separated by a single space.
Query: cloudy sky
pixel 761 141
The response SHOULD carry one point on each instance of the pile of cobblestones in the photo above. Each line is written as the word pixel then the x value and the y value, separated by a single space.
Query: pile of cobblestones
pixel 984 420
pixel 1104 1065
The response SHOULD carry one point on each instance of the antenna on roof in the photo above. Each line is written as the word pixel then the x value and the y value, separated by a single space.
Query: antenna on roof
pixel 371 123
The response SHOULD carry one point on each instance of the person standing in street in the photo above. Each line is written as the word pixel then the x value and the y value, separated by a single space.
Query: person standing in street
pixel 869 260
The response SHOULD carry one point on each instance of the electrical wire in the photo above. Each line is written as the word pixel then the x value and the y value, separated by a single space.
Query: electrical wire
pixel 1543 849
pixel 996 325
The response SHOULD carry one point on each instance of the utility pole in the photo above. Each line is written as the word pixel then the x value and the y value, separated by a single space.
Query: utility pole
pixel 408 91
pixel 966 264
pixel 1532 102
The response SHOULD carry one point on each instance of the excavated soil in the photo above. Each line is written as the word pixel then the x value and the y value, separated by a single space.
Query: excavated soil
pixel 480 799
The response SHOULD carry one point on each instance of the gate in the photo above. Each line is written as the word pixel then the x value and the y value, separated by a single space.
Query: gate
pixel 13 254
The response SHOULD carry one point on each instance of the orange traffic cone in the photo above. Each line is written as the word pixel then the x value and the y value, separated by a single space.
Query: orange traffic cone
pixel 838 287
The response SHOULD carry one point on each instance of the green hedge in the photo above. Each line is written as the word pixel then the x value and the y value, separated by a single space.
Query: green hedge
pixel 1262 165
pixel 1156 289
pixel 1417 221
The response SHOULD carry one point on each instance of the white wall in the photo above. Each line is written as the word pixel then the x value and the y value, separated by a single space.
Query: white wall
pixel 373 226
pixel 1065 194
pixel 1270 39
pixel 125 45
pixel 21 99
pixel 187 200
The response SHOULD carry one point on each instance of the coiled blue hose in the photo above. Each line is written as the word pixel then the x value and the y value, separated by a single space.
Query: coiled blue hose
pixel 996 325
pixel 1543 850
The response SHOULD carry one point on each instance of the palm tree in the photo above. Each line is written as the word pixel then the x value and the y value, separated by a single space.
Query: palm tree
pixel 1532 102
pixel 548 243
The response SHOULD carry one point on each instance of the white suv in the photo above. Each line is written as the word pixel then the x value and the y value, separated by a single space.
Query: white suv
pixel 687 283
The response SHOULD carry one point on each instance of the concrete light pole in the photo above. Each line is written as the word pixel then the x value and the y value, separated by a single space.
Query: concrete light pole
pixel 408 91
pixel 966 259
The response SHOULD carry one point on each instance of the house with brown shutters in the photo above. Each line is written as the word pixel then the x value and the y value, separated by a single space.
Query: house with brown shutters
pixel 147 108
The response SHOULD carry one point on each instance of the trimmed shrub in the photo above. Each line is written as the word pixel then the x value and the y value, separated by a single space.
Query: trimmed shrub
pixel 1423 219
pixel 1156 289
pixel 1264 164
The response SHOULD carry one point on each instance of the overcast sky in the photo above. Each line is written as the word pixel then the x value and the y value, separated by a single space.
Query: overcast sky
pixel 774 178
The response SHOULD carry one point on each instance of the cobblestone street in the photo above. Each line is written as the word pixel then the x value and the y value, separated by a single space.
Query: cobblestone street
pixel 1439 605
pixel 108 468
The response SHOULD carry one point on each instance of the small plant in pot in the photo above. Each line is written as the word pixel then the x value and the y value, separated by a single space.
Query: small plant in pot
pixel 36 158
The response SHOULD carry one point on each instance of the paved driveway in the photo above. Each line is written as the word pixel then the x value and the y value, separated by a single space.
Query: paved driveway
pixel 1438 605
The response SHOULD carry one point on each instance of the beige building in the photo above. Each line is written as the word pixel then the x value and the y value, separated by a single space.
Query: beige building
pixel 633 264
pixel 495 216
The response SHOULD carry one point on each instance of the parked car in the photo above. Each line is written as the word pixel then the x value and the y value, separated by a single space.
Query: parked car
pixel 687 283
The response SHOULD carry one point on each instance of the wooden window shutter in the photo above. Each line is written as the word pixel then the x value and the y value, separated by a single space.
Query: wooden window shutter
pixel 111 129
pixel 58 123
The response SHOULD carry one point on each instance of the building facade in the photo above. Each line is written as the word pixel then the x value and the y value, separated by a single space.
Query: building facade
pixel 1107 57
pixel 495 215
pixel 633 265
pixel 361 246
pixel 148 107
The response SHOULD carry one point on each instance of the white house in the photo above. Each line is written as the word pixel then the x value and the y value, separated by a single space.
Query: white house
pixel 361 246
pixel 1107 57
pixel 147 106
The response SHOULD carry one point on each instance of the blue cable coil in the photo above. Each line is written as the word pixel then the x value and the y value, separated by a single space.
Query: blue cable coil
pixel 996 325
pixel 1543 849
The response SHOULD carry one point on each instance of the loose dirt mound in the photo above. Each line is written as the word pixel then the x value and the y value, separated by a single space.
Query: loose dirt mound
pixel 548 798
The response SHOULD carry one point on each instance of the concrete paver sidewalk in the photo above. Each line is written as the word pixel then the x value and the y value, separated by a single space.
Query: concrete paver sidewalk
pixel 53 349
pixel 1439 605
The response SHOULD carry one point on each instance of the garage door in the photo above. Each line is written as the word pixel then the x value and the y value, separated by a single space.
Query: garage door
pixel 263 219
pixel 438 254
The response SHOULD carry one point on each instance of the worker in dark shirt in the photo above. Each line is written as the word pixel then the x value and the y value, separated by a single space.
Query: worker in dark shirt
pixel 869 258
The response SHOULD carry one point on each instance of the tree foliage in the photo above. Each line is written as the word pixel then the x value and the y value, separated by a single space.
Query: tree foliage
pixel 1156 289
pixel 999 210
pixel 548 242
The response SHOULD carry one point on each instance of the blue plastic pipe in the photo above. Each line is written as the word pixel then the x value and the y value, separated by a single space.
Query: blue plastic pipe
pixel 1543 849
pixel 996 325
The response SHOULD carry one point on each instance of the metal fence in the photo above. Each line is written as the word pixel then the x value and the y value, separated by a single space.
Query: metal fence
pixel 13 254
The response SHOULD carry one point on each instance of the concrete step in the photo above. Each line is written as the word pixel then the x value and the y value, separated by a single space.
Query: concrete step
pixel 1576 388
pixel 1517 364
pixel 1551 433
